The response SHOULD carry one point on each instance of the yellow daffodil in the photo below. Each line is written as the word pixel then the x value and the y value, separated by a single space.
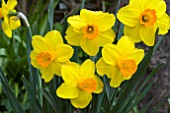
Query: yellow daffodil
pixel 119 62
pixel 9 23
pixel 142 18
pixel 90 30
pixel 49 54
pixel 79 83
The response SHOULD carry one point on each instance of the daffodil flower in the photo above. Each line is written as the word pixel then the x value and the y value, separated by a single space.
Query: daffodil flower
pixel 142 18
pixel 90 30
pixel 119 62
pixel 9 23
pixel 49 54
pixel 79 83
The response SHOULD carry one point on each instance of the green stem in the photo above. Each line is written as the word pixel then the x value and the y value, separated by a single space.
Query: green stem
pixel 82 4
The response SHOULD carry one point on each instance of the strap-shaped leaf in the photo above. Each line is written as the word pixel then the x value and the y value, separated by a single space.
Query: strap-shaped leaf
pixel 10 95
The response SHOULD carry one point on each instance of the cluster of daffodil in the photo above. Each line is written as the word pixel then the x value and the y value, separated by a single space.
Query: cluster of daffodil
pixel 10 22
pixel 91 30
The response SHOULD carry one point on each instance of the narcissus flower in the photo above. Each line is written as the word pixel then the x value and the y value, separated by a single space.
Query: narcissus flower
pixel 49 54
pixel 9 23
pixel 119 62
pixel 142 18
pixel 90 30
pixel 79 83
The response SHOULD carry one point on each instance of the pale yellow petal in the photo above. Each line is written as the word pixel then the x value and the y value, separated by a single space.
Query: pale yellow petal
pixel 104 68
pixel 6 29
pixel 147 35
pixel 110 54
pixel 106 37
pixel 163 24
pixel 116 79
pixel 72 37
pixel 88 15
pixel 57 67
pixel 14 22
pixel 53 39
pixel 76 22
pixel 39 44
pixel 33 59
pixel 11 4
pixel 91 47
pixel 47 73
pixel 133 32
pixel 104 21
pixel 67 90
pixel 158 5
pixel 64 52
pixel 137 55
pixel 99 85
pixel 87 69
pixel 128 16
pixel 82 100
pixel 70 72
pixel 125 45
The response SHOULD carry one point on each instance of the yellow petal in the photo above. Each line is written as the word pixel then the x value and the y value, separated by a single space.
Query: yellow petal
pixel 104 68
pixel 99 85
pixel 70 72
pixel 158 5
pixel 137 55
pixel 67 90
pixel 147 35
pixel 47 73
pixel 88 15
pixel 91 47
pixel 104 21
pixel 163 24
pixel 72 37
pixel 128 15
pixel 132 33
pixel 11 4
pixel 116 79
pixel 53 38
pixel 82 100
pixel 6 29
pixel 110 54
pixel 64 52
pixel 106 37
pixel 125 45
pixel 57 68
pixel 33 59
pixel 139 5
pixel 76 22
pixel 87 69
pixel 14 22
pixel 39 44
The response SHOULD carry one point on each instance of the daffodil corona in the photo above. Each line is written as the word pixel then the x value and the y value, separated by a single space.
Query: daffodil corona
pixel 49 54
pixel 90 30
pixel 9 23
pixel 119 62
pixel 142 18
pixel 79 83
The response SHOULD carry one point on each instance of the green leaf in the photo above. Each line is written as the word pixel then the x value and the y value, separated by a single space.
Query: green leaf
pixel 35 105
pixel 10 95
pixel 50 99
pixel 145 107
pixel 50 14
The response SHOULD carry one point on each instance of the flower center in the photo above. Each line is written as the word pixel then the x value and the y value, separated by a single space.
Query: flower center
pixel 148 17
pixel 90 32
pixel 45 58
pixel 88 85
pixel 127 67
